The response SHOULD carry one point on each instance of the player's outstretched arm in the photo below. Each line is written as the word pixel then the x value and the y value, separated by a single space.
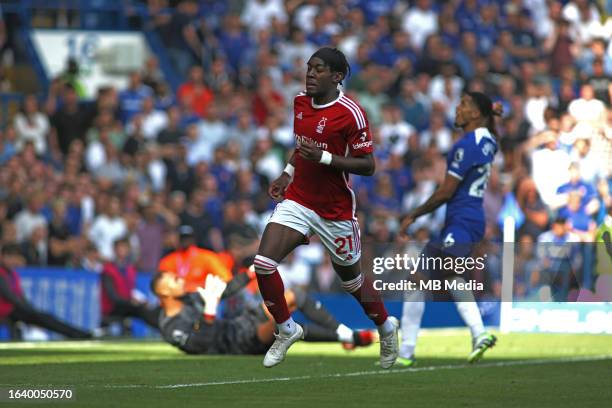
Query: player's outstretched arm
pixel 442 194
pixel 363 165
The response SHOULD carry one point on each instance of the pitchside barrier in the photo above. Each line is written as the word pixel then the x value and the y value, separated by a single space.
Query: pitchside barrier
pixel 74 296
pixel 546 317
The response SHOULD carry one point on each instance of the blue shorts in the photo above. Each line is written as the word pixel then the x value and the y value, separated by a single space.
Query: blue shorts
pixel 453 242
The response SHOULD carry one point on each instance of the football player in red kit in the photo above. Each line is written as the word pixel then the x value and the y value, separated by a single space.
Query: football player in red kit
pixel 332 140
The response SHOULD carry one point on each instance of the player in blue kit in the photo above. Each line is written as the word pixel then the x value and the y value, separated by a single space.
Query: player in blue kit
pixel 468 169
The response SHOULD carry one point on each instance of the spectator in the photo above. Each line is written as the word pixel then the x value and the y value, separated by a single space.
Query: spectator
pixel 150 232
pixel 266 100
pixel 373 100
pixel 259 14
pixel 27 220
pixel 195 217
pixel 36 248
pixel 538 99
pixel 437 134
pixel 536 214
pixel 61 244
pixel 584 18
pixel 194 92
pixel 152 76
pixel 234 42
pixel 172 133
pixel 8 144
pixel 586 160
pixel 153 120
pixel 587 109
pixel 211 132
pixel 107 227
pixel 420 21
pixel 71 77
pixel 105 122
pixel 558 256
pixel 445 89
pixel 132 98
pixel 180 36
pixel 601 146
pixel 413 110
pixel 561 48
pixel 119 295
pixel 394 132
pixel 549 167
pixel 600 82
pixel 467 54
pixel 596 50
pixel 191 263
pixel 32 126
pixel 580 223
pixel 70 122
pixel 91 260
pixel 585 191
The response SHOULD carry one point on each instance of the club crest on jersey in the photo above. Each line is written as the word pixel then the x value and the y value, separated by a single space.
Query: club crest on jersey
pixel 458 158
pixel 299 115
pixel 459 155
pixel 321 125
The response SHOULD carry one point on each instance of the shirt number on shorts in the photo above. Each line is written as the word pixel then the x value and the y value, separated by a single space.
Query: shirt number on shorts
pixel 341 244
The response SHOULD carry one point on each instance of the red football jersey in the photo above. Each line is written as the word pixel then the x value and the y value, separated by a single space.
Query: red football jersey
pixel 341 128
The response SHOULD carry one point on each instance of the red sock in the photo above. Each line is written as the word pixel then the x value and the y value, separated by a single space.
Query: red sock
pixel 368 297
pixel 273 291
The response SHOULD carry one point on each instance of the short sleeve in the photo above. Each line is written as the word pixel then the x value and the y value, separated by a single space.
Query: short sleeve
pixel 359 138
pixel 459 161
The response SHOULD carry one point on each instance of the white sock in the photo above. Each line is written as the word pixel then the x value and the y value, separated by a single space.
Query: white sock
pixel 386 328
pixel 345 334
pixel 412 314
pixel 468 310
pixel 287 327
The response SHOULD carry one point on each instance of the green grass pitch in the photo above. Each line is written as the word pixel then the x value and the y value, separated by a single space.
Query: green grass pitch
pixel 523 370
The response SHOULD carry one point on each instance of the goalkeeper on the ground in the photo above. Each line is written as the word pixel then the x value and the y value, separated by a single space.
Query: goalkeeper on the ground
pixel 189 322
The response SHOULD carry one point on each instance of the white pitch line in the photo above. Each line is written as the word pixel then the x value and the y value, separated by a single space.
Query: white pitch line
pixel 349 374
pixel 372 372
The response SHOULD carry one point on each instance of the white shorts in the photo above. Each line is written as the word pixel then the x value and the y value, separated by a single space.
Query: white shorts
pixel 341 238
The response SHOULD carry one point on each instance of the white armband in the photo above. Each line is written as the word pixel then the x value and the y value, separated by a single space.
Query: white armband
pixel 326 158
pixel 289 169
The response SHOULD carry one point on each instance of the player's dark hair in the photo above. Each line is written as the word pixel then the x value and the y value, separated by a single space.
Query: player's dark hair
pixel 335 59
pixel 485 106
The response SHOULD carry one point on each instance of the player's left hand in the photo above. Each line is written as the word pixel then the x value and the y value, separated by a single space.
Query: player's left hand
pixel 211 294
pixel 407 221
pixel 310 151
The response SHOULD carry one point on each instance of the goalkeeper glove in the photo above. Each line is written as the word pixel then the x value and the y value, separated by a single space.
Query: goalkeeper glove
pixel 211 294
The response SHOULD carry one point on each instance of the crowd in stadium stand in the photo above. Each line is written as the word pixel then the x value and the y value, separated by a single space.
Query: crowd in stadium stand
pixel 140 161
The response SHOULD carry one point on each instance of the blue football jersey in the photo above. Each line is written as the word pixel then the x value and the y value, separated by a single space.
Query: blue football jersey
pixel 470 161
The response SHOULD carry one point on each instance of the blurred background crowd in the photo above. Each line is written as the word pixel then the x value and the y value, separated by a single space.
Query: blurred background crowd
pixel 78 173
